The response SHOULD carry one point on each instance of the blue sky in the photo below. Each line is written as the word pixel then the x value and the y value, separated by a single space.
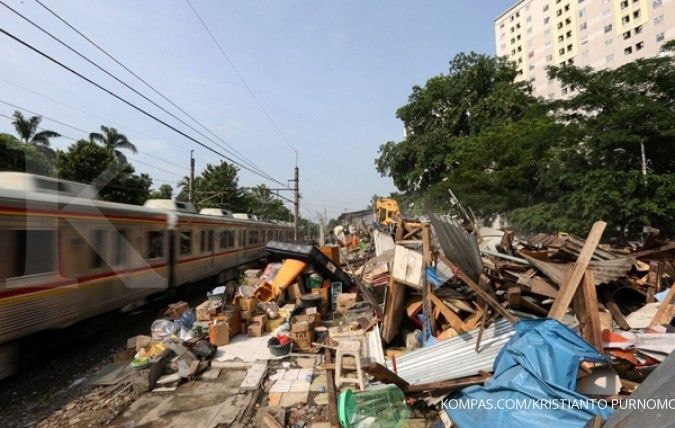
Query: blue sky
pixel 330 74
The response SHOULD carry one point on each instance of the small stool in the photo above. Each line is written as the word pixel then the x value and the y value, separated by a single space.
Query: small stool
pixel 352 348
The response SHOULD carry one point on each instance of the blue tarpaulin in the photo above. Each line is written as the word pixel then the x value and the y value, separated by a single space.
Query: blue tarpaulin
pixel 534 383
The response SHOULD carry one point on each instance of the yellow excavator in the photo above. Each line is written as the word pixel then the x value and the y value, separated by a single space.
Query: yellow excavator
pixel 387 211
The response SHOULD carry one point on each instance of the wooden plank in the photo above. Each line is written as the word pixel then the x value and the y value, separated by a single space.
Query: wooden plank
pixel 613 308
pixel 384 375
pixel 448 314
pixel 447 385
pixel 592 312
pixel 514 297
pixel 653 281
pixel 393 310
pixel 476 288
pixel 663 313
pixel 569 287
pixel 330 388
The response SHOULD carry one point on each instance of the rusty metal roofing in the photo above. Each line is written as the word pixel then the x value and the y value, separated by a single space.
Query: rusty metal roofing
pixel 604 271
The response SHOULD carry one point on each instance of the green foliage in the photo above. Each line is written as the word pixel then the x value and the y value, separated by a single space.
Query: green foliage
pixel 30 133
pixel 165 191
pixel 549 166
pixel 115 142
pixel 260 201
pixel 216 186
pixel 87 162
pixel 18 156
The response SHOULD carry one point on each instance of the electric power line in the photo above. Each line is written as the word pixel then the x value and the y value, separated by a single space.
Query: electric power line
pixel 130 104
pixel 233 150
pixel 81 130
pixel 236 71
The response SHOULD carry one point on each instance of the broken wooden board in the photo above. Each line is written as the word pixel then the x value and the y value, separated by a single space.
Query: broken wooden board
pixel 408 267
pixel 663 314
pixel 569 287
pixel 393 309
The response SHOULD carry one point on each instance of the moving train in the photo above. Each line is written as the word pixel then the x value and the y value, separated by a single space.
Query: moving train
pixel 68 256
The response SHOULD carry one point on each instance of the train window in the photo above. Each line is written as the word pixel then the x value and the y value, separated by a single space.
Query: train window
pixel 97 246
pixel 33 251
pixel 155 244
pixel 242 238
pixel 227 239
pixel 253 237
pixel 209 245
pixel 121 247
pixel 185 243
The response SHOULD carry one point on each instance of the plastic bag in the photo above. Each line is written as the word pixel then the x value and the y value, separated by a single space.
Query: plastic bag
pixel 163 329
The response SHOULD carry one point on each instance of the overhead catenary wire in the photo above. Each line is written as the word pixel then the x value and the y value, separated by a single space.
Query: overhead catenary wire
pixel 130 104
pixel 243 81
pixel 81 130
pixel 134 90
pixel 233 150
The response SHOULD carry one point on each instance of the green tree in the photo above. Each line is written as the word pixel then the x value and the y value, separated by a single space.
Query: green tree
pixel 114 141
pixel 165 191
pixel 478 92
pixel 216 186
pixel 612 115
pixel 29 132
pixel 87 162
pixel 18 156
pixel 260 201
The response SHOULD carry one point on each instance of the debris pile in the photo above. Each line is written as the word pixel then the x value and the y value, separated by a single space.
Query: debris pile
pixel 390 322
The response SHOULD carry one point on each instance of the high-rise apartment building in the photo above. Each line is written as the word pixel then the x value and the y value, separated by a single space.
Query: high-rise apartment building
pixel 597 33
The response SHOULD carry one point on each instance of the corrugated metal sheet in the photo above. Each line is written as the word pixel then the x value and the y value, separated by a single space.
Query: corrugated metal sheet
pixel 458 245
pixel 604 271
pixel 455 357
pixel 566 247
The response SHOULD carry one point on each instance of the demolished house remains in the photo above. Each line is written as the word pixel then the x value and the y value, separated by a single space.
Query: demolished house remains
pixel 401 324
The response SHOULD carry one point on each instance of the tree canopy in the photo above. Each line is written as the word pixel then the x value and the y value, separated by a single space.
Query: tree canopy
pixel 548 165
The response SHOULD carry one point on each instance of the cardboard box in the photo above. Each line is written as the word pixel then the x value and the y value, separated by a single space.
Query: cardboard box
pixel 345 301
pixel 255 329
pixel 273 324
pixel 300 325
pixel 232 318
pixel 261 318
pixel 175 310
pixel 313 319
pixel 205 310
pixel 302 339
pixel 219 333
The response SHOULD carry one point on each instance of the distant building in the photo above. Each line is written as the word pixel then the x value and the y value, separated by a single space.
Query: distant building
pixel 597 33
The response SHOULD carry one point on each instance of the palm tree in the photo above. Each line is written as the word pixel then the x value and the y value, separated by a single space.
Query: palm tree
pixel 28 131
pixel 113 141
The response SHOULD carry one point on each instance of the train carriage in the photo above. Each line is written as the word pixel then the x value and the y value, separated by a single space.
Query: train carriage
pixel 67 256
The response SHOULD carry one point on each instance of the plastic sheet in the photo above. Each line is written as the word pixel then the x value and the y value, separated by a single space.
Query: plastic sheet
pixel 534 383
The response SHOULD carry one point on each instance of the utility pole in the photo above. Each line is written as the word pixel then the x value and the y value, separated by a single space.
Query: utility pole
pixel 296 189
pixel 191 190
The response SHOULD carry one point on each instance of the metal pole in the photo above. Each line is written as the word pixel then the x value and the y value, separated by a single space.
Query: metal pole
pixel 297 203
pixel 191 192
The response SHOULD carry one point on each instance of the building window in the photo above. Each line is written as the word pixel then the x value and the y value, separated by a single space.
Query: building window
pixel 561 51
pixel 657 3
pixel 561 38
pixel 636 14
pixel 583 26
pixel 606 12
pixel 582 13
pixel 638 29
pixel 569 48
pixel 513 51
pixel 558 12
pixel 608 42
pixel 626 35
pixel 560 25
pixel 531 54
pixel 658 20
pixel 628 50
pixel 660 36
pixel 569 34
pixel 568 21
pixel 545 8
pixel 625 19
pixel 639 46
pixel 567 8
pixel 501 25
pixel 185 243
pixel 547 45
pixel 584 40
pixel 503 46
pixel 528 19
pixel 624 4
pixel 549 58
pixel 608 28
pixel 529 30
pixel 547 32
pixel 609 58
pixel 564 91
pixel 155 244
pixel 546 20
